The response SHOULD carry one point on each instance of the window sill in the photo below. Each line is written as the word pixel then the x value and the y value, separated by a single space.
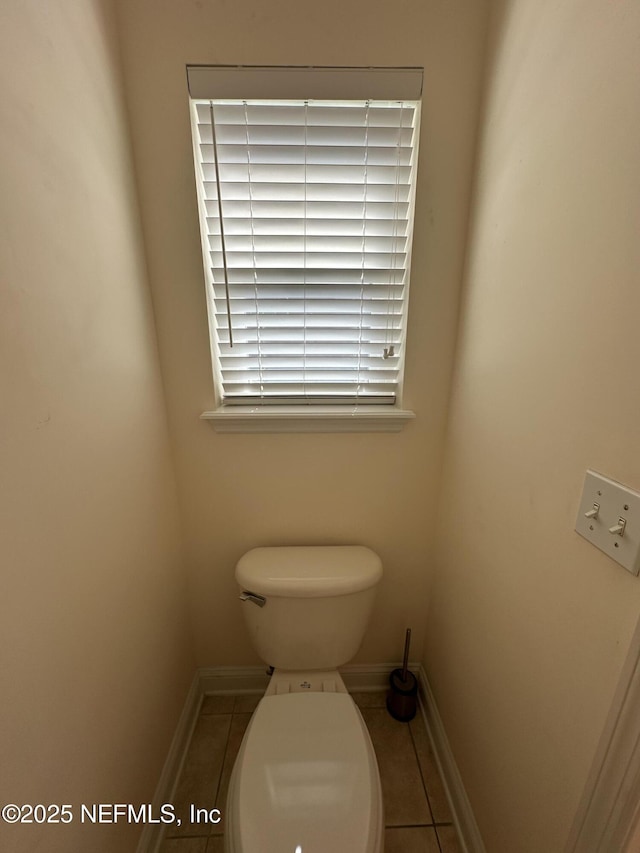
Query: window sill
pixel 308 418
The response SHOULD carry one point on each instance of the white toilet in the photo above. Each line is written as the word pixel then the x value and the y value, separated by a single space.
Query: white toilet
pixel 306 778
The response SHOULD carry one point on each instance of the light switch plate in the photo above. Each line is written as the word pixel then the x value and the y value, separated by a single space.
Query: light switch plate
pixel 615 502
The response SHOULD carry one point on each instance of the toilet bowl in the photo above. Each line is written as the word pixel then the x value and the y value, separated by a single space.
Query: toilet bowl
pixel 306 778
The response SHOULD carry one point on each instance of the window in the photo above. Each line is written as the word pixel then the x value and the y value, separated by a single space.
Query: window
pixel 306 210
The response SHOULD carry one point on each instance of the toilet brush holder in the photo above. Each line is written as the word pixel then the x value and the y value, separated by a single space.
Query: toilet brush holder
pixel 402 699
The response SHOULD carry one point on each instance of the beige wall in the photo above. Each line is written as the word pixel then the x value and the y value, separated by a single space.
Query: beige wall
pixel 241 491
pixel 94 638
pixel 529 624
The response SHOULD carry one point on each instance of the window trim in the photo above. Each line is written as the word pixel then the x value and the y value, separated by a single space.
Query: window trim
pixel 265 419
pixel 255 82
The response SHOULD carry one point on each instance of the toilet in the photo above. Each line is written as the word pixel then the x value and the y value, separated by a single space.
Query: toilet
pixel 306 778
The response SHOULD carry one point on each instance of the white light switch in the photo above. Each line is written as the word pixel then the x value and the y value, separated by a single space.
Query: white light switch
pixel 609 517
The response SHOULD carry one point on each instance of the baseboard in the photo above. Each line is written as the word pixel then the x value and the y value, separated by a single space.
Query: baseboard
pixel 233 679
pixel 464 819
pixel 358 678
pixel 365 678
pixel 254 679
pixel 151 836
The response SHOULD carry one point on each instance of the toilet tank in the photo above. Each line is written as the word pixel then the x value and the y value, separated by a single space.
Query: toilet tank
pixel 318 600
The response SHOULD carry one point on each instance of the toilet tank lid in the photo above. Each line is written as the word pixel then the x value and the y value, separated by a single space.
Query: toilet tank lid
pixel 310 571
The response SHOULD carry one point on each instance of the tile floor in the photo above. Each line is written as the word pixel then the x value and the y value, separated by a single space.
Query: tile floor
pixel 417 815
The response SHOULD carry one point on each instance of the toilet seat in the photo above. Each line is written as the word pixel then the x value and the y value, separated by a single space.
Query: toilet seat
pixel 306 779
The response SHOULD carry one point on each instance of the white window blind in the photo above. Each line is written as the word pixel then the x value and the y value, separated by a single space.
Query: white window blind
pixel 306 216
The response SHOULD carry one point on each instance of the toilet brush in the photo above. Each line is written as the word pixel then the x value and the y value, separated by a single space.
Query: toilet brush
pixel 402 696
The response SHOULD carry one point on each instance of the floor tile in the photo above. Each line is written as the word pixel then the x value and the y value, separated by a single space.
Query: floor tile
pixel 201 773
pixel 430 773
pixel 247 703
pixel 411 839
pixel 197 789
pixel 209 739
pixel 216 844
pixel 217 704
pixel 239 725
pixel 448 838
pixel 184 845
pixel 405 801
pixel 374 699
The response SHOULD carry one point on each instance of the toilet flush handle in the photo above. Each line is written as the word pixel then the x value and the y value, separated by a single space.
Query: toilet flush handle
pixel 260 600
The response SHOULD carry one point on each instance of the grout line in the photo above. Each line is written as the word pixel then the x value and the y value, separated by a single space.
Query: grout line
pixel 424 781
pixel 219 805
pixel 224 757
pixel 424 785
